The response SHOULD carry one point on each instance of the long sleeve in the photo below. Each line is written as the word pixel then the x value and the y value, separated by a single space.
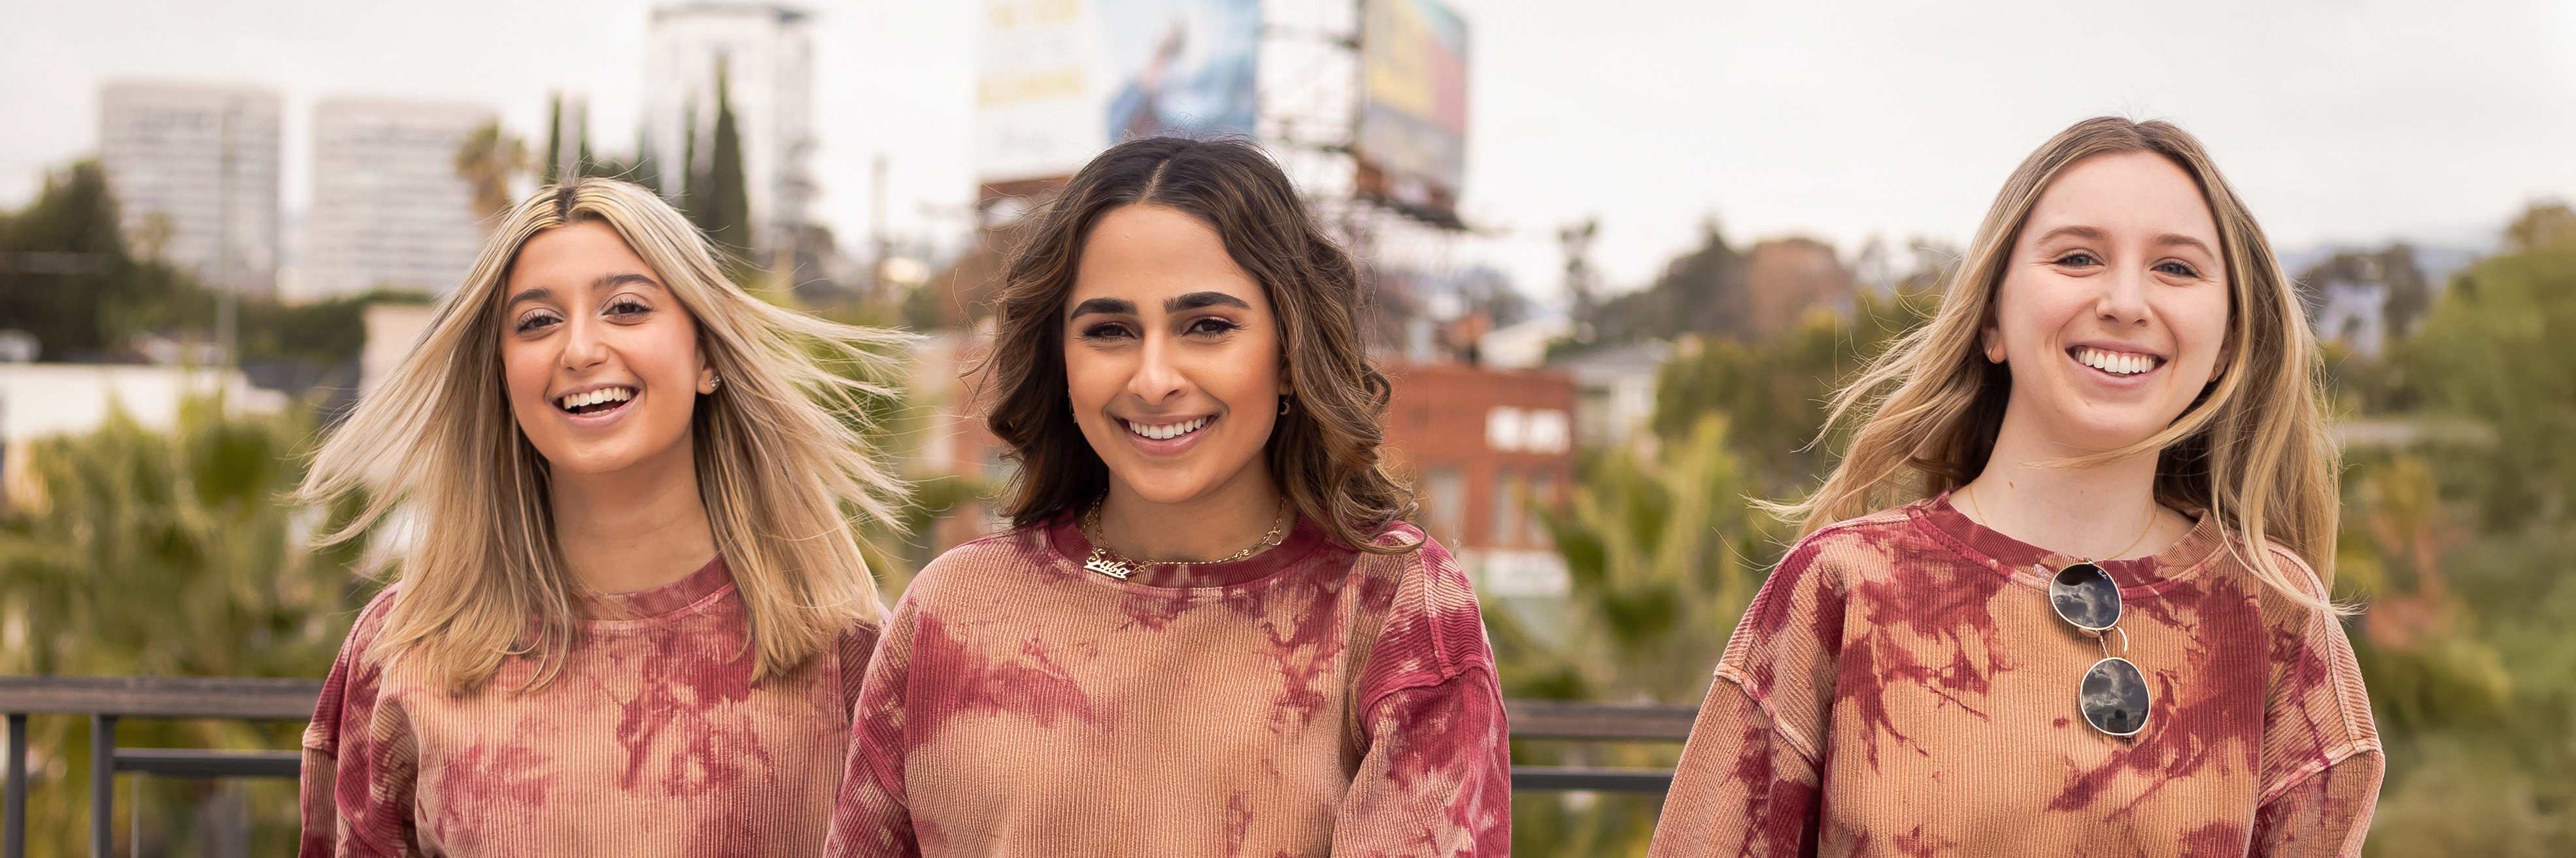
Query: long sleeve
pixel 2326 814
pixel 356 791
pixel 1436 776
pixel 871 817
pixel 2322 760
pixel 1748 781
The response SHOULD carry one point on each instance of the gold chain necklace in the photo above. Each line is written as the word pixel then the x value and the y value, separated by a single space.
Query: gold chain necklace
pixel 2142 532
pixel 1112 564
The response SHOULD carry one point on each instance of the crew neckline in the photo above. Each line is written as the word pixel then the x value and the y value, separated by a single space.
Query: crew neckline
pixel 1069 546
pixel 653 603
pixel 2034 566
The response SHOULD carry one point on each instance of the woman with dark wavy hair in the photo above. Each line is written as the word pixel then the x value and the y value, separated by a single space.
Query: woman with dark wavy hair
pixel 1209 630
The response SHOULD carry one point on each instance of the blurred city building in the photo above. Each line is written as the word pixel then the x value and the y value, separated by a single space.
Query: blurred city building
pixel 767 55
pixel 389 208
pixel 195 172
pixel 1479 445
pixel 1615 391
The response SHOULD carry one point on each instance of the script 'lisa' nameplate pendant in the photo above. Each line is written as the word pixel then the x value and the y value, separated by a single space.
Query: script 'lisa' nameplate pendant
pixel 1104 564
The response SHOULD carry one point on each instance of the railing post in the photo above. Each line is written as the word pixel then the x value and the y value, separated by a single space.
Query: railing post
pixel 16 843
pixel 102 785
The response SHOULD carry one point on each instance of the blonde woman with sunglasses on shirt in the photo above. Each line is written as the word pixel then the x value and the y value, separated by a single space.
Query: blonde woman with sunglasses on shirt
pixel 2066 591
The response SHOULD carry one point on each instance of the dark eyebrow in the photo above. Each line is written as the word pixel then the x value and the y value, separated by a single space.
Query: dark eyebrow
pixel 2083 232
pixel 2185 241
pixel 1196 300
pixel 1113 306
pixel 606 281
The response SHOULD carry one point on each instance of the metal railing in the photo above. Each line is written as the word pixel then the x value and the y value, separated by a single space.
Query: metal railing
pixel 106 699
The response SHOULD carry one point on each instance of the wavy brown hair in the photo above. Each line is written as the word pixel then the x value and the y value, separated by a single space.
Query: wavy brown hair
pixel 1324 452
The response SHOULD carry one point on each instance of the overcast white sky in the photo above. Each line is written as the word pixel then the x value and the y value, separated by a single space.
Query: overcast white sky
pixel 2339 121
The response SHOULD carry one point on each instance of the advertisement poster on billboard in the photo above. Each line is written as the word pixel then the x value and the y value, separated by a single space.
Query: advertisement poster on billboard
pixel 1413 116
pixel 1059 80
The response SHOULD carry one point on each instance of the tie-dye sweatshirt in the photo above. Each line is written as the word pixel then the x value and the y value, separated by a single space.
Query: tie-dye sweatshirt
pixel 1310 700
pixel 1901 686
pixel 652 741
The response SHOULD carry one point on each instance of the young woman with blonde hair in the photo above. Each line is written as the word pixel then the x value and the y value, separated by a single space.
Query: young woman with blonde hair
pixel 1209 631
pixel 2066 591
pixel 628 614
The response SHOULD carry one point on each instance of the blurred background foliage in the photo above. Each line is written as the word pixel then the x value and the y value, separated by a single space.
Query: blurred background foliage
pixel 145 552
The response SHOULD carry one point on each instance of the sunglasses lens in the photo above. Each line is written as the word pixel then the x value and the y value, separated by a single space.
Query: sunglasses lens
pixel 2115 697
pixel 2084 595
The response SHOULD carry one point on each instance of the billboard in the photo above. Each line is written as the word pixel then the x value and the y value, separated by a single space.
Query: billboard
pixel 1059 80
pixel 1412 146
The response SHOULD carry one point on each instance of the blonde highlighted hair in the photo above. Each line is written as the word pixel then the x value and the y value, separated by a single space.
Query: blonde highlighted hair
pixel 781 461
pixel 2252 451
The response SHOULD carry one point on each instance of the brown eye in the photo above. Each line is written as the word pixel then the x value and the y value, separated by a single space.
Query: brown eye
pixel 628 307
pixel 532 322
pixel 1213 326
pixel 1104 331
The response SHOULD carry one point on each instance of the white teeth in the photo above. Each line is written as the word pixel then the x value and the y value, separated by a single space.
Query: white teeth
pixel 2116 363
pixel 1166 431
pixel 594 397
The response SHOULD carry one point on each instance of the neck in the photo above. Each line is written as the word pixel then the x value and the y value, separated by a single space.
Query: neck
pixel 2094 512
pixel 1214 525
pixel 634 529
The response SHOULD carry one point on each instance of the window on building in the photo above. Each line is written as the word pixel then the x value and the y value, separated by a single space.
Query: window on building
pixel 1446 516
pixel 1542 496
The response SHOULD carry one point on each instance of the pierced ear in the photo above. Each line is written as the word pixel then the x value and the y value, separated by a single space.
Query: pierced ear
pixel 707 380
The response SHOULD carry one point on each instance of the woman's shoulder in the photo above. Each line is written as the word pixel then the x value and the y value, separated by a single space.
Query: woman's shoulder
pixel 1409 558
pixel 1011 552
pixel 1852 548
pixel 370 624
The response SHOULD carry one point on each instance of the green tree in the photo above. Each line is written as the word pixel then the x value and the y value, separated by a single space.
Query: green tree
pixel 65 273
pixel 144 552
pixel 491 162
pixel 1774 392
pixel 1700 292
pixel 727 196
pixel 2496 353
pixel 2542 224
pixel 1662 552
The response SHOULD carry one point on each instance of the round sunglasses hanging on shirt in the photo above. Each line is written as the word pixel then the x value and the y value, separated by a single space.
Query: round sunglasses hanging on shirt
pixel 2114 695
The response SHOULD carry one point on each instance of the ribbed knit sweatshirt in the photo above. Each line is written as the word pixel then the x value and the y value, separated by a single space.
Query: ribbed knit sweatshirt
pixel 1310 700
pixel 651 741
pixel 1901 686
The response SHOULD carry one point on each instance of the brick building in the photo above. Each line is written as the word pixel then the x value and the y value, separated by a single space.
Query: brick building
pixel 1478 444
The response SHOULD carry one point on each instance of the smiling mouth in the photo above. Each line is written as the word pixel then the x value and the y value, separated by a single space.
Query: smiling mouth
pixel 1166 431
pixel 596 402
pixel 2115 363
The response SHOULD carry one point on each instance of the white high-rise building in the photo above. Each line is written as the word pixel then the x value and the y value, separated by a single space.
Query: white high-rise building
pixel 195 172
pixel 768 56
pixel 389 209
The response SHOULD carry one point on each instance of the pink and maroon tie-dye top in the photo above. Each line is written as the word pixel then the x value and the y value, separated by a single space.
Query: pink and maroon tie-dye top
pixel 1902 687
pixel 1310 700
pixel 652 741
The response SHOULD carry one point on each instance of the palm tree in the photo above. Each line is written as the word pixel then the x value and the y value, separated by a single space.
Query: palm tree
pixel 491 161
pixel 134 551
